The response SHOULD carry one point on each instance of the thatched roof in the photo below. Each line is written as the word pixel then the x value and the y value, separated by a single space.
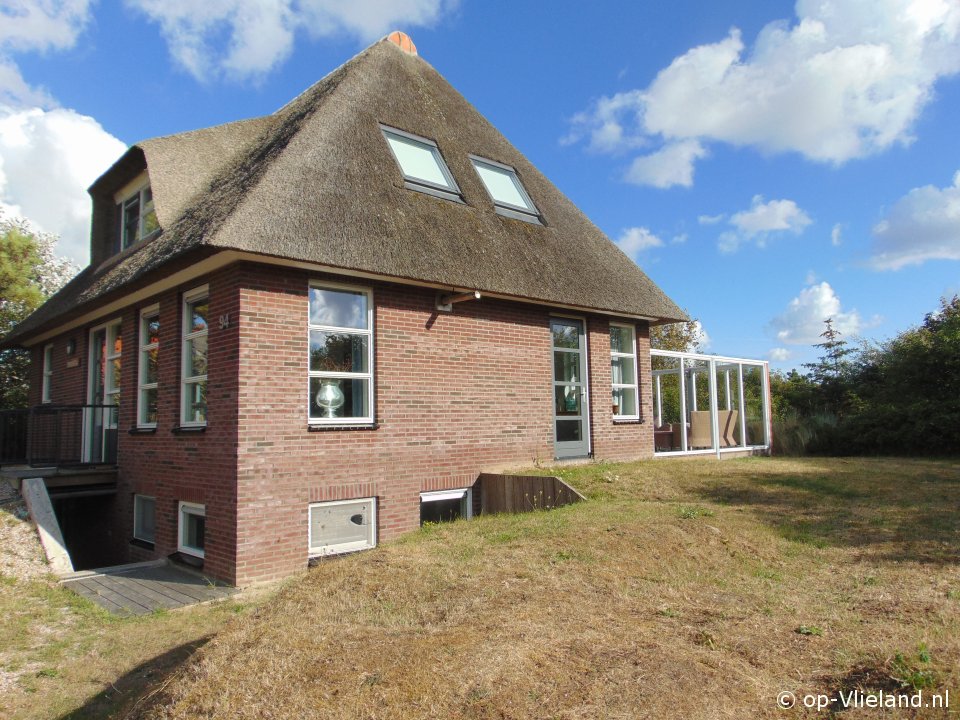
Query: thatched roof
pixel 316 182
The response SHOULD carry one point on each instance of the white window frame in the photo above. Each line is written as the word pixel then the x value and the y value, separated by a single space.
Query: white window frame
pixel 46 385
pixel 184 509
pixel 636 376
pixel 136 530
pixel 322 550
pixel 465 495
pixel 450 191
pixel 140 195
pixel 367 419
pixel 188 381
pixel 529 213
pixel 145 348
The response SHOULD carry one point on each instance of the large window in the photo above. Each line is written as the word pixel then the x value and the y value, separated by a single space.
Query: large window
pixel 138 219
pixel 505 189
pixel 342 526
pixel 340 355
pixel 144 518
pixel 192 530
pixel 194 391
pixel 623 372
pixel 47 373
pixel 422 165
pixel 149 368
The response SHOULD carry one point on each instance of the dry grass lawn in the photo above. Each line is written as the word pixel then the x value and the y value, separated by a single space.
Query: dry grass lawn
pixel 682 589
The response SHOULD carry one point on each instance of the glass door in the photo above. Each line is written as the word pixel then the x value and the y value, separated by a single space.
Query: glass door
pixel 100 418
pixel 570 400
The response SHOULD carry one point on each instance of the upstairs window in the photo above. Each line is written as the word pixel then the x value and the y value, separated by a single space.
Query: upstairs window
pixel 194 373
pixel 422 164
pixel 47 373
pixel 138 219
pixel 149 368
pixel 505 189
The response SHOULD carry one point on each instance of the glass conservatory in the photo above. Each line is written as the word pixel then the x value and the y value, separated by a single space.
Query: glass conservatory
pixel 709 404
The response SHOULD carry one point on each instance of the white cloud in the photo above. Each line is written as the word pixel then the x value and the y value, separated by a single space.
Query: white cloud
pixel 248 38
pixel 761 221
pixel 710 219
pixel 802 321
pixel 679 239
pixel 48 158
pixel 779 354
pixel 844 80
pixel 670 165
pixel 922 225
pixel 635 240
pixel 836 235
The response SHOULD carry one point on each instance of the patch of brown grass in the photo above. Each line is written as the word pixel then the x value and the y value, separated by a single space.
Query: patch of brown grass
pixel 678 590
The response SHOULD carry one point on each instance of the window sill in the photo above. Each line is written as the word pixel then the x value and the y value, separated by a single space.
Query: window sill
pixel 627 421
pixel 188 429
pixel 137 542
pixel 435 192
pixel 142 430
pixel 359 426
pixel 518 215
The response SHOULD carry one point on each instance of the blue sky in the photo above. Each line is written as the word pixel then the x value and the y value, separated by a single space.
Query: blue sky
pixel 768 163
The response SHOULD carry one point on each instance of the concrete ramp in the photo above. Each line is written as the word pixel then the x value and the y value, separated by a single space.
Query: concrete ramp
pixel 34 491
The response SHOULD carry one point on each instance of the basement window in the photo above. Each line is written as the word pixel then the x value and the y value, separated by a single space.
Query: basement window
pixel 507 192
pixel 193 522
pixel 342 526
pixel 144 518
pixel 446 505
pixel 422 164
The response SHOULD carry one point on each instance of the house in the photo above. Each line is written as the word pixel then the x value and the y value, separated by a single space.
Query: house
pixel 304 332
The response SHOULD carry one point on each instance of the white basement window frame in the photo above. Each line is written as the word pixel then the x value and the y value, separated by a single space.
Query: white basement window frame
pixel 510 197
pixel 195 354
pixel 623 359
pixel 144 518
pixel 463 496
pixel 45 392
pixel 421 164
pixel 341 526
pixel 338 314
pixel 138 217
pixel 191 528
pixel 148 377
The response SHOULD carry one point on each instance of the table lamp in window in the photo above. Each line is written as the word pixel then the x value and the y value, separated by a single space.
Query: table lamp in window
pixel 330 398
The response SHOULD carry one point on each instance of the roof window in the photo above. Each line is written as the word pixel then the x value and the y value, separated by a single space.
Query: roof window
pixel 422 164
pixel 505 189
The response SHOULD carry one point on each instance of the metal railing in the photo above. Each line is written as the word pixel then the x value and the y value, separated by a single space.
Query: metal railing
pixel 59 435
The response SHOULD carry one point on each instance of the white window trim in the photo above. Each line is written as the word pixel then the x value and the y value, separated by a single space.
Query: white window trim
pixel 136 498
pixel 369 375
pixel 145 348
pixel 464 494
pixel 368 544
pixel 188 380
pixel 451 190
pixel 46 385
pixel 188 508
pixel 137 193
pixel 636 376
pixel 529 213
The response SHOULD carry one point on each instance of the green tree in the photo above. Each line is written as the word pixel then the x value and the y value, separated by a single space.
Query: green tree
pixel 30 272
pixel 683 336
pixel 832 373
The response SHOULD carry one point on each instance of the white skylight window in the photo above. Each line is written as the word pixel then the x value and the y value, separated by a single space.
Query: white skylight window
pixel 508 194
pixel 422 164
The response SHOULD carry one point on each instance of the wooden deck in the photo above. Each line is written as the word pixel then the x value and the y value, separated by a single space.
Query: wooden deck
pixel 142 588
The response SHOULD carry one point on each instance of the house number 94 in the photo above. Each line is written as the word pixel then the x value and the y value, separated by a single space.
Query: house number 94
pixel 224 321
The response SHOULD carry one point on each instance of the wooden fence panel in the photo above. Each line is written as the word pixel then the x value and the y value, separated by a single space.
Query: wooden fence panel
pixel 523 493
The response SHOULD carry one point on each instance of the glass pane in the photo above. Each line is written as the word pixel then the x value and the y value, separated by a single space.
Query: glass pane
pixel 197 356
pixel 442 510
pixel 151 330
pixel 668 430
pixel 622 371
pixel 145 518
pixel 418 160
pixel 699 417
pixel 338 352
pixel 131 221
pixel 339 524
pixel 753 392
pixel 150 223
pixel 198 316
pixel 339 308
pixel 567 399
pixel 568 430
pixel 566 333
pixel 339 398
pixel 195 401
pixel 150 372
pixel 194 531
pixel 728 405
pixel 566 367
pixel 621 339
pixel 625 401
pixel 503 185
pixel 114 378
pixel 148 406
